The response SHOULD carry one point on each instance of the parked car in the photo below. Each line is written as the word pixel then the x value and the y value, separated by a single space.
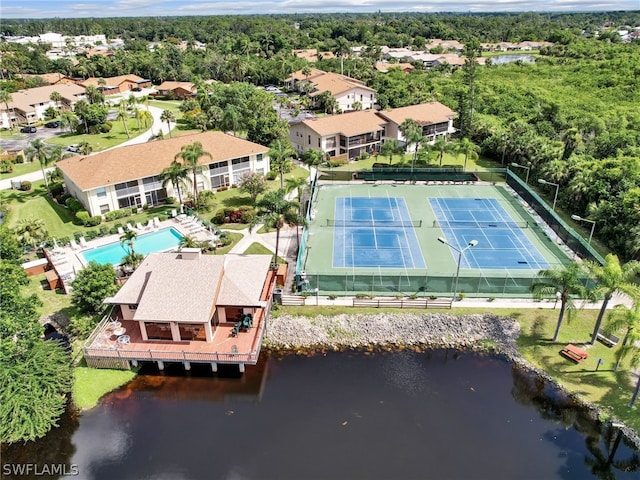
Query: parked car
pixel 73 148
pixel 136 89
pixel 28 129
pixel 54 124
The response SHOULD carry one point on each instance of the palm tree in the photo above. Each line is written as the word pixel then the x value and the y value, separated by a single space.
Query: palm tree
pixel 177 175
pixel 279 152
pixel 188 242
pixel 6 97
pixel 168 116
pixel 39 150
pixel 629 319
pixel 313 157
pixel 565 283
pixel 70 119
pixel 571 138
pixel 441 146
pixel 468 149
pixel 128 238
pixel 30 231
pixel 85 148
pixel 412 133
pixel 295 183
pixel 191 155
pixel 611 277
pixel 341 50
pixel 277 212
pixel 123 115
pixel 56 97
pixel 390 148
pixel 231 119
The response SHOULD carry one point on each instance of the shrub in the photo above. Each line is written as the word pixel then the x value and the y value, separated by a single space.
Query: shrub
pixel 134 210
pixel 170 200
pixel 106 127
pixel 56 189
pixel 25 185
pixel 115 214
pixel 336 163
pixel 145 206
pixel 332 297
pixel 74 205
pixel 248 216
pixel 19 159
pixel 6 166
pixel 233 185
pixel 272 175
pixel 83 216
pixel 104 230
pixel 93 221
pixel 223 188
pixel 218 218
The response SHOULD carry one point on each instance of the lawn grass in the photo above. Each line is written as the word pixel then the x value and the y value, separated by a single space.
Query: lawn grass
pixel 58 220
pixel 53 300
pixel 405 160
pixel 235 238
pixel 609 389
pixel 90 384
pixel 258 249
pixel 171 105
pixel 101 141
pixel 21 169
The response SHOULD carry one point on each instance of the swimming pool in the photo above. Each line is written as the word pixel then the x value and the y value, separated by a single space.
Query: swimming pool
pixel 157 241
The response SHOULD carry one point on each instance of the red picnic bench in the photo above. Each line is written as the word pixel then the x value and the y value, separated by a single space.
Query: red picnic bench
pixel 574 353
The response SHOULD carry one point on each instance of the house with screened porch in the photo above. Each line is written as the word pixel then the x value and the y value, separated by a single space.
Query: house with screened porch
pixel 187 307
pixel 129 176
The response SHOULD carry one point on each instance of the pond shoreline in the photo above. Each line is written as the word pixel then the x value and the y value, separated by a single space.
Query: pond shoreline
pixel 476 332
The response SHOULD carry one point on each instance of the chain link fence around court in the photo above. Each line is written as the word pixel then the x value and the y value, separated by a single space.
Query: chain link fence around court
pixel 480 284
pixel 568 235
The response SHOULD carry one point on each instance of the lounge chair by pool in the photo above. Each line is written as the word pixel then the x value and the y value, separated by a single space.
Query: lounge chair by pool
pixel 74 245
pixel 83 242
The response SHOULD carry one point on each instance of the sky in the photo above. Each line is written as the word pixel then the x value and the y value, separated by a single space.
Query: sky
pixel 148 8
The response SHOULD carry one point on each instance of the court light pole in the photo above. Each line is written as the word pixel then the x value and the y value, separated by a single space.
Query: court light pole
pixel 514 164
pixel 555 198
pixel 471 244
pixel 592 222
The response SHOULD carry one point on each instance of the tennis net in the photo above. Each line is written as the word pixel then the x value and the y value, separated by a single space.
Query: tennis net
pixel 373 223
pixel 476 224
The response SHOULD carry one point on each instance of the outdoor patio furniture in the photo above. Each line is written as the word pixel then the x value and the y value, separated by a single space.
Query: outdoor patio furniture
pixel 574 353
pixel 139 227
pixel 130 227
pixel 120 231
pixel 123 339
pixel 83 242
pixel 174 213
pixel 119 331
pixel 74 244
pixel 609 340
pixel 113 325
pixel 149 225
pixel 156 222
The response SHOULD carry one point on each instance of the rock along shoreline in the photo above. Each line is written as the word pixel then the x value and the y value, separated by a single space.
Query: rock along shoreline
pixel 476 332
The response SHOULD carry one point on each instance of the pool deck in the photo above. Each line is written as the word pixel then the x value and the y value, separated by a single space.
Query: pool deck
pixel 67 261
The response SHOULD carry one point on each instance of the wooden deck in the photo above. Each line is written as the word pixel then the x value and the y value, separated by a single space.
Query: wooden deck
pixel 244 348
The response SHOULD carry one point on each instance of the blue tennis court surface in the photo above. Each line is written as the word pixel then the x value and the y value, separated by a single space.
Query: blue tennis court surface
pixel 502 243
pixel 374 232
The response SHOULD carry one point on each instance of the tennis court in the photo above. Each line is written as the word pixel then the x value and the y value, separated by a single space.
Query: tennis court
pixel 374 232
pixel 383 238
pixel 501 240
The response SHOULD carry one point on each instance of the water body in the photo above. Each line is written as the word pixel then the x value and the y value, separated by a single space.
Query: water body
pixel 522 57
pixel 339 415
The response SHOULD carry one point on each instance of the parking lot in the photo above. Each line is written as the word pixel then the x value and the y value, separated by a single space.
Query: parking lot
pixel 22 143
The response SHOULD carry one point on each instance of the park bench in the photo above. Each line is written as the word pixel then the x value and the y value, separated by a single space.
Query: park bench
pixel 609 340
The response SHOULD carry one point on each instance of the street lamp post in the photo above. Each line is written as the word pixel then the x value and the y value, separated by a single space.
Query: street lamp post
pixel 555 198
pixel 514 164
pixel 593 224
pixel 471 244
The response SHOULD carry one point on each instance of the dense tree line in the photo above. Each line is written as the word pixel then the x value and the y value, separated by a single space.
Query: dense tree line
pixel 281 32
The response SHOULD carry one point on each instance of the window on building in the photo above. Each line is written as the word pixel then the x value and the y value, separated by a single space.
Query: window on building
pixel 319 143
pixel 259 157
pixel 101 192
pixel 104 209
pixel 309 141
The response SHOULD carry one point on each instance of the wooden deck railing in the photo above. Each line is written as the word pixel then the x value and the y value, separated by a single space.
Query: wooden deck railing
pixel 168 356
